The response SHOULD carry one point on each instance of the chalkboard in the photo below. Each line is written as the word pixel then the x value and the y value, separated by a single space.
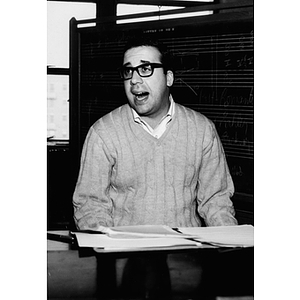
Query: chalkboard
pixel 214 75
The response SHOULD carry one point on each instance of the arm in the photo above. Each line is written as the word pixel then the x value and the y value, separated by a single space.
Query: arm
pixel 215 183
pixel 91 201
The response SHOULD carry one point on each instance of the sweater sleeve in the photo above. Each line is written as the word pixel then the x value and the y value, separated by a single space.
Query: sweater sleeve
pixel 215 183
pixel 91 201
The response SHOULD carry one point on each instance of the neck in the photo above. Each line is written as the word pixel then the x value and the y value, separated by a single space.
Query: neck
pixel 153 121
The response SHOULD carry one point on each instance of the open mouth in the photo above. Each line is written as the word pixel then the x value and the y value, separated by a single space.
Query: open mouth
pixel 141 95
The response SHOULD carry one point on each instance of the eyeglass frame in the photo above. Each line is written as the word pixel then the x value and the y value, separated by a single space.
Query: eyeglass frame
pixel 152 65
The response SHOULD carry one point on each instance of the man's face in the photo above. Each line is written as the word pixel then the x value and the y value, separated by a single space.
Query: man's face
pixel 149 96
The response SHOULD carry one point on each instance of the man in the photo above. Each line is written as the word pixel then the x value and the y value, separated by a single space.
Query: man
pixel 152 161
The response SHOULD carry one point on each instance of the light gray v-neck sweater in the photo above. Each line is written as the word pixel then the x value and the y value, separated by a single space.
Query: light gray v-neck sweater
pixel 128 177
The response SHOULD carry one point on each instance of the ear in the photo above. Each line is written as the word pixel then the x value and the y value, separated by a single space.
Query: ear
pixel 170 78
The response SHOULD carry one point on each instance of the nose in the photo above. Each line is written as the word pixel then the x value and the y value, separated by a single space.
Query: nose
pixel 136 78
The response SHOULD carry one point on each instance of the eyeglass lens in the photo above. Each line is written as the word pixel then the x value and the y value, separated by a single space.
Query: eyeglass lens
pixel 144 70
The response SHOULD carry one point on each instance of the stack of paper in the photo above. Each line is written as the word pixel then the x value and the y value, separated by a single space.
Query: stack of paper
pixel 107 243
pixel 135 237
pixel 225 236
pixel 156 236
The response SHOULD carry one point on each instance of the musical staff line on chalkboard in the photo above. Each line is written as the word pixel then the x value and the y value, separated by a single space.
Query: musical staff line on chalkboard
pixel 238 156
pixel 215 51
pixel 217 106
pixel 183 51
pixel 221 76
pixel 225 114
pixel 235 117
pixel 231 149
pixel 220 108
pixel 209 71
pixel 208 84
pixel 179 46
pixel 242 152
pixel 245 151
pixel 179 52
pixel 194 41
pixel 98 109
pixel 238 144
pixel 220 37
pixel 212 45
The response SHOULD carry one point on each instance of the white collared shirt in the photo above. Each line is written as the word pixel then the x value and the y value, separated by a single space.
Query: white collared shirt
pixel 158 131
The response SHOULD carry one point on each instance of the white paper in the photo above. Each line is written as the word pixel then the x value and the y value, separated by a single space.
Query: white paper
pixel 106 242
pixel 141 231
pixel 239 235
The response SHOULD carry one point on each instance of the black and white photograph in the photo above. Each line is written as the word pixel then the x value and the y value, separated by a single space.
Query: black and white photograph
pixel 150 150
pixel 128 167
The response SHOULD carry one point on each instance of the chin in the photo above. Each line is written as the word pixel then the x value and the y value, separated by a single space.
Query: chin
pixel 140 111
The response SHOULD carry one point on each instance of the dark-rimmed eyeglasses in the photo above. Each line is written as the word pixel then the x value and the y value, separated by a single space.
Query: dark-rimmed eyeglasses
pixel 144 70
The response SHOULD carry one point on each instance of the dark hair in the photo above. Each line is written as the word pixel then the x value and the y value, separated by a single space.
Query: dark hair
pixel 143 40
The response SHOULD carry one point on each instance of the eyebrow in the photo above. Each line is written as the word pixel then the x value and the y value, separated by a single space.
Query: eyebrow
pixel 142 61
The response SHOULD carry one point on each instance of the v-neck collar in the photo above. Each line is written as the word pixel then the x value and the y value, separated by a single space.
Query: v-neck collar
pixel 142 133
